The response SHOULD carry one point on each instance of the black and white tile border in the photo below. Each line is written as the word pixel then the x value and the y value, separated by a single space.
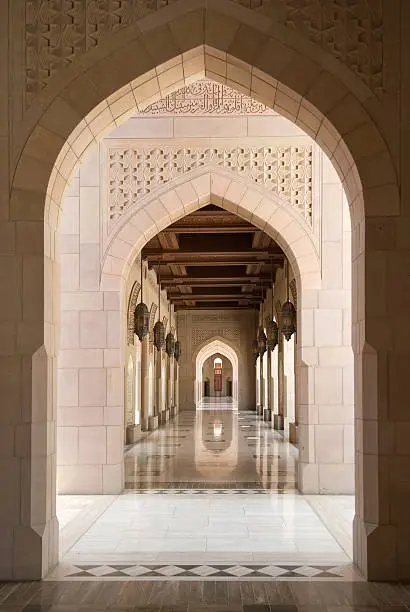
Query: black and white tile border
pixel 169 571
pixel 129 488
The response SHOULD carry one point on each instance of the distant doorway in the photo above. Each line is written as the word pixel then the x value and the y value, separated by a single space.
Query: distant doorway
pixel 216 375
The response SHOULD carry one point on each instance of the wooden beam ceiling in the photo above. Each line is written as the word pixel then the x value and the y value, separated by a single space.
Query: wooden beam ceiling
pixel 214 259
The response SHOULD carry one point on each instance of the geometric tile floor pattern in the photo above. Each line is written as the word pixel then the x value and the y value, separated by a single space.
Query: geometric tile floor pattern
pixel 211 497
pixel 169 571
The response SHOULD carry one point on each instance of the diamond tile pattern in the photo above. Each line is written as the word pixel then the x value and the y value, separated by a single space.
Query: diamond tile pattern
pixel 169 571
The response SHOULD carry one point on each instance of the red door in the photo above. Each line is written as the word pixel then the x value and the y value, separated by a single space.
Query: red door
pixel 218 379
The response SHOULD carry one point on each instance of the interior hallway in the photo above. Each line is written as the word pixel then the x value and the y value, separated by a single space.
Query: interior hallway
pixel 210 495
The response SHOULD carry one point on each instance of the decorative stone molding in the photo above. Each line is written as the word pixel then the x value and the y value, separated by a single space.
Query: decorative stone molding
pixel 206 97
pixel 233 335
pixel 208 318
pixel 350 30
pixel 285 170
pixel 58 33
pixel 152 313
pixel 132 303
pixel 293 290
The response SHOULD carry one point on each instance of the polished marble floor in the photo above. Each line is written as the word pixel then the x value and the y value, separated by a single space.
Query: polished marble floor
pixel 211 495
pixel 212 448
pixel 218 403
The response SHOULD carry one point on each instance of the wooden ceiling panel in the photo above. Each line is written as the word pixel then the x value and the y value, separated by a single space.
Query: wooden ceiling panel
pixel 214 259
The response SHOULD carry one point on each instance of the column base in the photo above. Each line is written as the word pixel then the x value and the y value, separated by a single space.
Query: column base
pixel 259 410
pixel 144 424
pixel 293 433
pixel 152 423
pixel 132 433
pixel 376 552
pixel 278 422
pixel 267 415
pixel 35 552
pixel 172 412
pixel 163 417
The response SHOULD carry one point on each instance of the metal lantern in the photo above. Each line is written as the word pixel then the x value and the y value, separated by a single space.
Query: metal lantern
pixel 288 320
pixel 272 334
pixel 141 320
pixel 255 350
pixel 261 341
pixel 177 350
pixel 170 344
pixel 159 335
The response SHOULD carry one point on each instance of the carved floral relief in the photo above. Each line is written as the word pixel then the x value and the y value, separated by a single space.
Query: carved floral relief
pixel 57 32
pixel 134 173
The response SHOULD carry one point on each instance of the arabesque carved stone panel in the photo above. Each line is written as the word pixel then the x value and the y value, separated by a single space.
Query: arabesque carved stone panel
pixel 233 334
pixel 132 303
pixel 205 97
pixel 57 32
pixel 285 171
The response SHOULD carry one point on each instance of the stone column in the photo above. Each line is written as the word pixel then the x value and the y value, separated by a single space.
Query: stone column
pixel 176 386
pixel 158 385
pixel 267 413
pixel 279 418
pixel 144 383
pixel 293 427
pixel 261 387
pixel 171 403
pixel 168 388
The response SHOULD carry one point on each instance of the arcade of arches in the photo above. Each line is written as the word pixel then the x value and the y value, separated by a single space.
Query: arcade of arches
pixel 213 161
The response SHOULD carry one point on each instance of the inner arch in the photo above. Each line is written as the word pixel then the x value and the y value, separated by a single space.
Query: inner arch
pixel 217 345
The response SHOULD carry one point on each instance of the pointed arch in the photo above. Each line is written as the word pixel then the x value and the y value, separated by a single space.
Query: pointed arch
pixel 212 346
pixel 288 73
pixel 132 303
pixel 195 189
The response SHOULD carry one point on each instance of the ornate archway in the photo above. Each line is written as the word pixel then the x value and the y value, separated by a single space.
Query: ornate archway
pixel 217 345
pixel 131 70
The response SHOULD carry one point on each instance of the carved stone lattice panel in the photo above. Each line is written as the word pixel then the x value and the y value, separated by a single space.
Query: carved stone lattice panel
pixel 230 334
pixel 207 97
pixel 131 309
pixel 350 30
pixel 293 290
pixel 209 317
pixel 152 313
pixel 57 32
pixel 285 171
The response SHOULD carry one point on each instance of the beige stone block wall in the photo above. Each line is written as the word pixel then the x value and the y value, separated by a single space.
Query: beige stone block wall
pixel 198 328
pixel 208 373
pixel 354 104
pixel 324 360
pixel 90 415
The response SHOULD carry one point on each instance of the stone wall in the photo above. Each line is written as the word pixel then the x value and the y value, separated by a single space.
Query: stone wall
pixel 197 328
pixel 95 344
pixel 208 373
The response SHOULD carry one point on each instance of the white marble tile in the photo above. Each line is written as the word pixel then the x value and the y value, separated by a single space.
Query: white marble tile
pixel 211 527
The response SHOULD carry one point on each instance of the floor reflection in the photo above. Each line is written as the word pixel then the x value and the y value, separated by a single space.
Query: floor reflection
pixel 212 448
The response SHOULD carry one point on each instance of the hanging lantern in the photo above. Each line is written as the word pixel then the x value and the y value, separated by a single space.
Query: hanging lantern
pixel 272 334
pixel 170 344
pixel 141 320
pixel 255 350
pixel 288 320
pixel 261 341
pixel 177 350
pixel 159 335
pixel 141 315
